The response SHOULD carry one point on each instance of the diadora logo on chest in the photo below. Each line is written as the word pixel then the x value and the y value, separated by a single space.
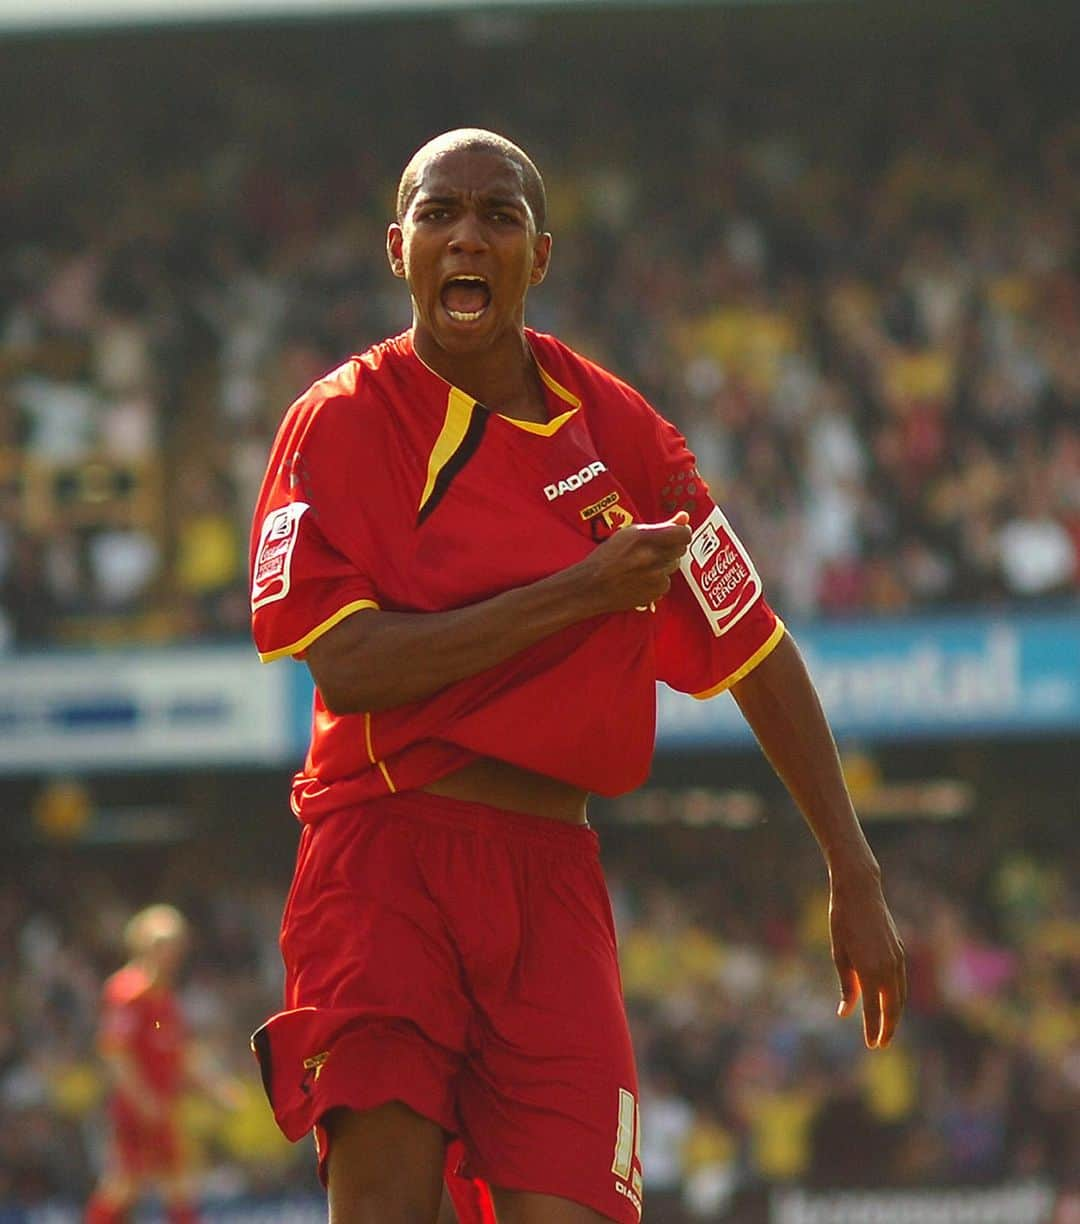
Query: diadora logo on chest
pixel 574 481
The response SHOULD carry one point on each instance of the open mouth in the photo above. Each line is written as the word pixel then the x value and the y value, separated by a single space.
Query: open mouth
pixel 465 298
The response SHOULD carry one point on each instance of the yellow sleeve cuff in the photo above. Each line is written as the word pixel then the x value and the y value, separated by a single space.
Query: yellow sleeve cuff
pixel 762 652
pixel 299 646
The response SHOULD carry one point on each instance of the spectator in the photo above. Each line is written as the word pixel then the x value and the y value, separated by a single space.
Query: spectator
pixel 858 336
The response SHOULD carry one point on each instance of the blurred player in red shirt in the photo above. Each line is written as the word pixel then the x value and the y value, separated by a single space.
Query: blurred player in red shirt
pixel 488 550
pixel 144 1044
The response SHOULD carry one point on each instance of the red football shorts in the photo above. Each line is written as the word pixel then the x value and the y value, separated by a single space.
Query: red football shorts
pixel 143 1148
pixel 461 959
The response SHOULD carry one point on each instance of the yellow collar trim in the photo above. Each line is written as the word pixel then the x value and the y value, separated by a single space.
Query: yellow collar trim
pixel 543 428
pixel 547 428
pixel 568 396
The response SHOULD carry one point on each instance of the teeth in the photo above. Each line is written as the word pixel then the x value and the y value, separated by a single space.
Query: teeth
pixel 465 316
pixel 479 279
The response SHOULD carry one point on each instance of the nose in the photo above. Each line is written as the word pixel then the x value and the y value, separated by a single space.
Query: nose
pixel 467 236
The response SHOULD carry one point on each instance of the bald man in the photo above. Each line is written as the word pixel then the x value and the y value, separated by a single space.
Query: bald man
pixel 488 550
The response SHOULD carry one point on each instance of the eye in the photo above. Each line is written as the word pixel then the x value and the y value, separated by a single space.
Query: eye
pixel 504 218
pixel 437 213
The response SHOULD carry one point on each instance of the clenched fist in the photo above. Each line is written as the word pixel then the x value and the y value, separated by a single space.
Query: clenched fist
pixel 633 567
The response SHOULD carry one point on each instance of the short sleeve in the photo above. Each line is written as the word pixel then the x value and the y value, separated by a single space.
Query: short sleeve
pixel 118 1028
pixel 715 625
pixel 308 556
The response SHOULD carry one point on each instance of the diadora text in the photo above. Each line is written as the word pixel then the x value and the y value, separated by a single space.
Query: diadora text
pixel 574 481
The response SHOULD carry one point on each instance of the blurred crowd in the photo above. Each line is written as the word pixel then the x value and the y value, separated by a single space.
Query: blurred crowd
pixel 58 947
pixel 748 1079
pixel 750 1082
pixel 860 303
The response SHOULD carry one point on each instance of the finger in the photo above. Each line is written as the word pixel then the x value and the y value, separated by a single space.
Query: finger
pixel 849 986
pixel 682 519
pixel 871 1010
pixel 891 1007
pixel 671 542
pixel 903 977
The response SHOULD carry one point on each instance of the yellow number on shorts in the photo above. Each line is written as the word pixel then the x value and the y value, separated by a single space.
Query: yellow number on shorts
pixel 628 1138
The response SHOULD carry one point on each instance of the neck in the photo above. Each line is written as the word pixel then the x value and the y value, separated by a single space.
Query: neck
pixel 153 972
pixel 502 377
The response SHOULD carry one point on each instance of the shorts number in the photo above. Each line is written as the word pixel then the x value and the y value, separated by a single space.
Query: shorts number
pixel 628 1137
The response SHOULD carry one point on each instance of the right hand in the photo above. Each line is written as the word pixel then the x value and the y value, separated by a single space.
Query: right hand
pixel 152 1109
pixel 633 567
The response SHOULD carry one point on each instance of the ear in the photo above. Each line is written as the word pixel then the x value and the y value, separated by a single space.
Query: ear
pixel 541 258
pixel 395 249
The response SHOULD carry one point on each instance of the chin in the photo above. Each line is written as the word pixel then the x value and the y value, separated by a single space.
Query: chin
pixel 464 345
pixel 464 340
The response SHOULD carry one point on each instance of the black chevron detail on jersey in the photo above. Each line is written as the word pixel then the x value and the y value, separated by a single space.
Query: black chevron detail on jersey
pixel 461 455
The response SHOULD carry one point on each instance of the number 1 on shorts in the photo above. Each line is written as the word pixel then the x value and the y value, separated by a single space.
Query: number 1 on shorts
pixel 628 1138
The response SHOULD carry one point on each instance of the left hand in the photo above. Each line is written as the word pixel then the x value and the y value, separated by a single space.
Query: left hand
pixel 867 953
pixel 229 1094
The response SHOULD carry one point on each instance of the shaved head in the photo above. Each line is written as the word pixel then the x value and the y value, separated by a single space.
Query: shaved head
pixel 475 140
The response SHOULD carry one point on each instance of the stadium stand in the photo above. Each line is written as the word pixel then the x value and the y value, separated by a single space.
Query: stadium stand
pixel 861 307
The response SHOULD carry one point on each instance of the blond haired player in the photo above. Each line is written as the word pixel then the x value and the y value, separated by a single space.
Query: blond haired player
pixel 144 1043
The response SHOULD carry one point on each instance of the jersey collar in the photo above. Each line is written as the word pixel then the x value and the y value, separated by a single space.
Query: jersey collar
pixel 542 428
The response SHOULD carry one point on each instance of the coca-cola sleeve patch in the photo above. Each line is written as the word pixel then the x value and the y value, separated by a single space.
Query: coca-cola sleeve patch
pixel 719 572
pixel 272 569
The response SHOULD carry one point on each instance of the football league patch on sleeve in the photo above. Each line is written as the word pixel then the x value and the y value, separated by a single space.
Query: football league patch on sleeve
pixel 718 569
pixel 272 569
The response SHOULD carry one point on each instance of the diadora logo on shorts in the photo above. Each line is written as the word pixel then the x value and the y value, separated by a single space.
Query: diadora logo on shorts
pixel 720 573
pixel 574 481
pixel 312 1070
pixel 272 570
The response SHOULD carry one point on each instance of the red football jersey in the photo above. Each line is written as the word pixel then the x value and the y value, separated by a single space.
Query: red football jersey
pixel 144 1021
pixel 389 488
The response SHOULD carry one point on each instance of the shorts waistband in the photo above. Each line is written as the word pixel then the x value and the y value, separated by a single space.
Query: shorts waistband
pixel 465 814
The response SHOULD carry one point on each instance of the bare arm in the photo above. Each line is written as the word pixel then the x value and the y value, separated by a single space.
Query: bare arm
pixel 780 703
pixel 377 660
pixel 126 1077
pixel 211 1081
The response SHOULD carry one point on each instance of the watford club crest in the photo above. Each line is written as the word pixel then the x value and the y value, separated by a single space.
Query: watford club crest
pixel 606 516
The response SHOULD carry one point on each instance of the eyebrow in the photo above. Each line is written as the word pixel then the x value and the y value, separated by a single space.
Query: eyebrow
pixel 492 201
